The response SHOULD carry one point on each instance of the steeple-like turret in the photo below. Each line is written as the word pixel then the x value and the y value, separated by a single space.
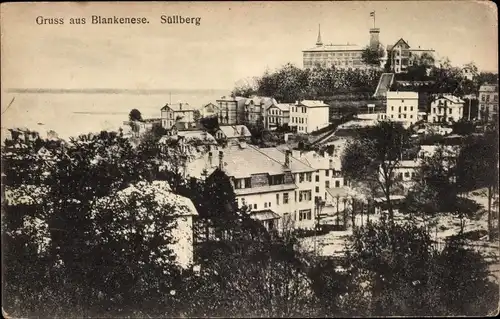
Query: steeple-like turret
pixel 319 42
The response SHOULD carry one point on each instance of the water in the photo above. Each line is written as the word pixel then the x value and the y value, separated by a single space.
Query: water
pixel 70 113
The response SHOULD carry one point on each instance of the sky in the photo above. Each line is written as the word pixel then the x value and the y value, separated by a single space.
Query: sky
pixel 234 41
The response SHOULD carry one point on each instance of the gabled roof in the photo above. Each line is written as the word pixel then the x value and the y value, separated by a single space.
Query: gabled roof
pixel 400 41
pixel 244 162
pixel 235 131
pixel 489 88
pixel 451 98
pixel 284 107
pixel 261 100
pixel 312 103
pixel 179 107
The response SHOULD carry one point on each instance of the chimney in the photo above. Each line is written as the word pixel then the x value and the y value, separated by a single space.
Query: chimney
pixel 180 106
pixel 209 159
pixel 221 157
pixel 287 158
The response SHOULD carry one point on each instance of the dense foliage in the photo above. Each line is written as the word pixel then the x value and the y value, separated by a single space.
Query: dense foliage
pixel 79 241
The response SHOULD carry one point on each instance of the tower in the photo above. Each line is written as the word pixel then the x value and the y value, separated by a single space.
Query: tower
pixel 319 42
pixel 374 38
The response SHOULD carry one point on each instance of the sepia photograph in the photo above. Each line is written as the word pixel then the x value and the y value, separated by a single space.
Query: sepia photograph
pixel 279 159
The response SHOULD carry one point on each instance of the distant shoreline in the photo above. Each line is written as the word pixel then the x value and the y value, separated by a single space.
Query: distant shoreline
pixel 111 91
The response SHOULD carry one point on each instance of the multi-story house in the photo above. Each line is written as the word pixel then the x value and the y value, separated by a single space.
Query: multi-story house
pixel 233 134
pixel 173 113
pixel 402 107
pixel 231 110
pixel 277 115
pixel 402 56
pixel 488 102
pixel 209 110
pixel 255 109
pixel 308 115
pixel 327 174
pixel 277 187
pixel 446 108
pixel 340 56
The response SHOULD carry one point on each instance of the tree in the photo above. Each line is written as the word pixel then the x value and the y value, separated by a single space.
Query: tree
pixel 135 115
pixel 393 270
pixel 372 56
pixel 409 277
pixel 477 155
pixel 132 255
pixel 373 156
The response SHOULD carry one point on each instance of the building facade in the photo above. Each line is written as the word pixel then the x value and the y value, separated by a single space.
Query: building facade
pixel 308 115
pixel 488 102
pixel 256 109
pixel 402 107
pixel 172 113
pixel 342 56
pixel 231 110
pixel 402 55
pixel 446 109
pixel 277 115
pixel 270 182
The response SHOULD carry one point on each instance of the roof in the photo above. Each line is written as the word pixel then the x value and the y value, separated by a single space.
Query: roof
pixel 312 103
pixel 167 201
pixel 402 95
pixel 488 88
pixel 321 162
pixel 245 162
pixel 261 100
pixel 235 131
pixel 452 98
pixel 409 163
pixel 179 107
pixel 391 197
pixel 400 41
pixel 335 47
pixel 189 136
pixel 265 214
pixel 282 106
pixel 338 192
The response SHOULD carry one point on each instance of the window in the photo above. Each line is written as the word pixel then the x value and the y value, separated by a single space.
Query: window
pixel 269 204
pixel 327 184
pixel 405 108
pixel 337 183
pixel 404 115
pixel 483 98
pixel 392 116
pixel 399 116
pixel 301 177
pixel 265 205
pixel 399 109
pixel 254 206
pixel 411 108
pixel 285 198
pixel 317 177
pixel 411 116
pixel 392 108
pixel 327 172
pixel 309 177
pixel 407 174
pixel 317 189
pixel 277 199
pixel 400 175
pixel 305 214
pixel 402 101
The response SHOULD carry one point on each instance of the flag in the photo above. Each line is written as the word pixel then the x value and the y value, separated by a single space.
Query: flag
pixel 372 14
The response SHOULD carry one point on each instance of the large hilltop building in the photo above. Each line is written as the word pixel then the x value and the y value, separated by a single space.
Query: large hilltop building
pixel 344 56
pixel 340 56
